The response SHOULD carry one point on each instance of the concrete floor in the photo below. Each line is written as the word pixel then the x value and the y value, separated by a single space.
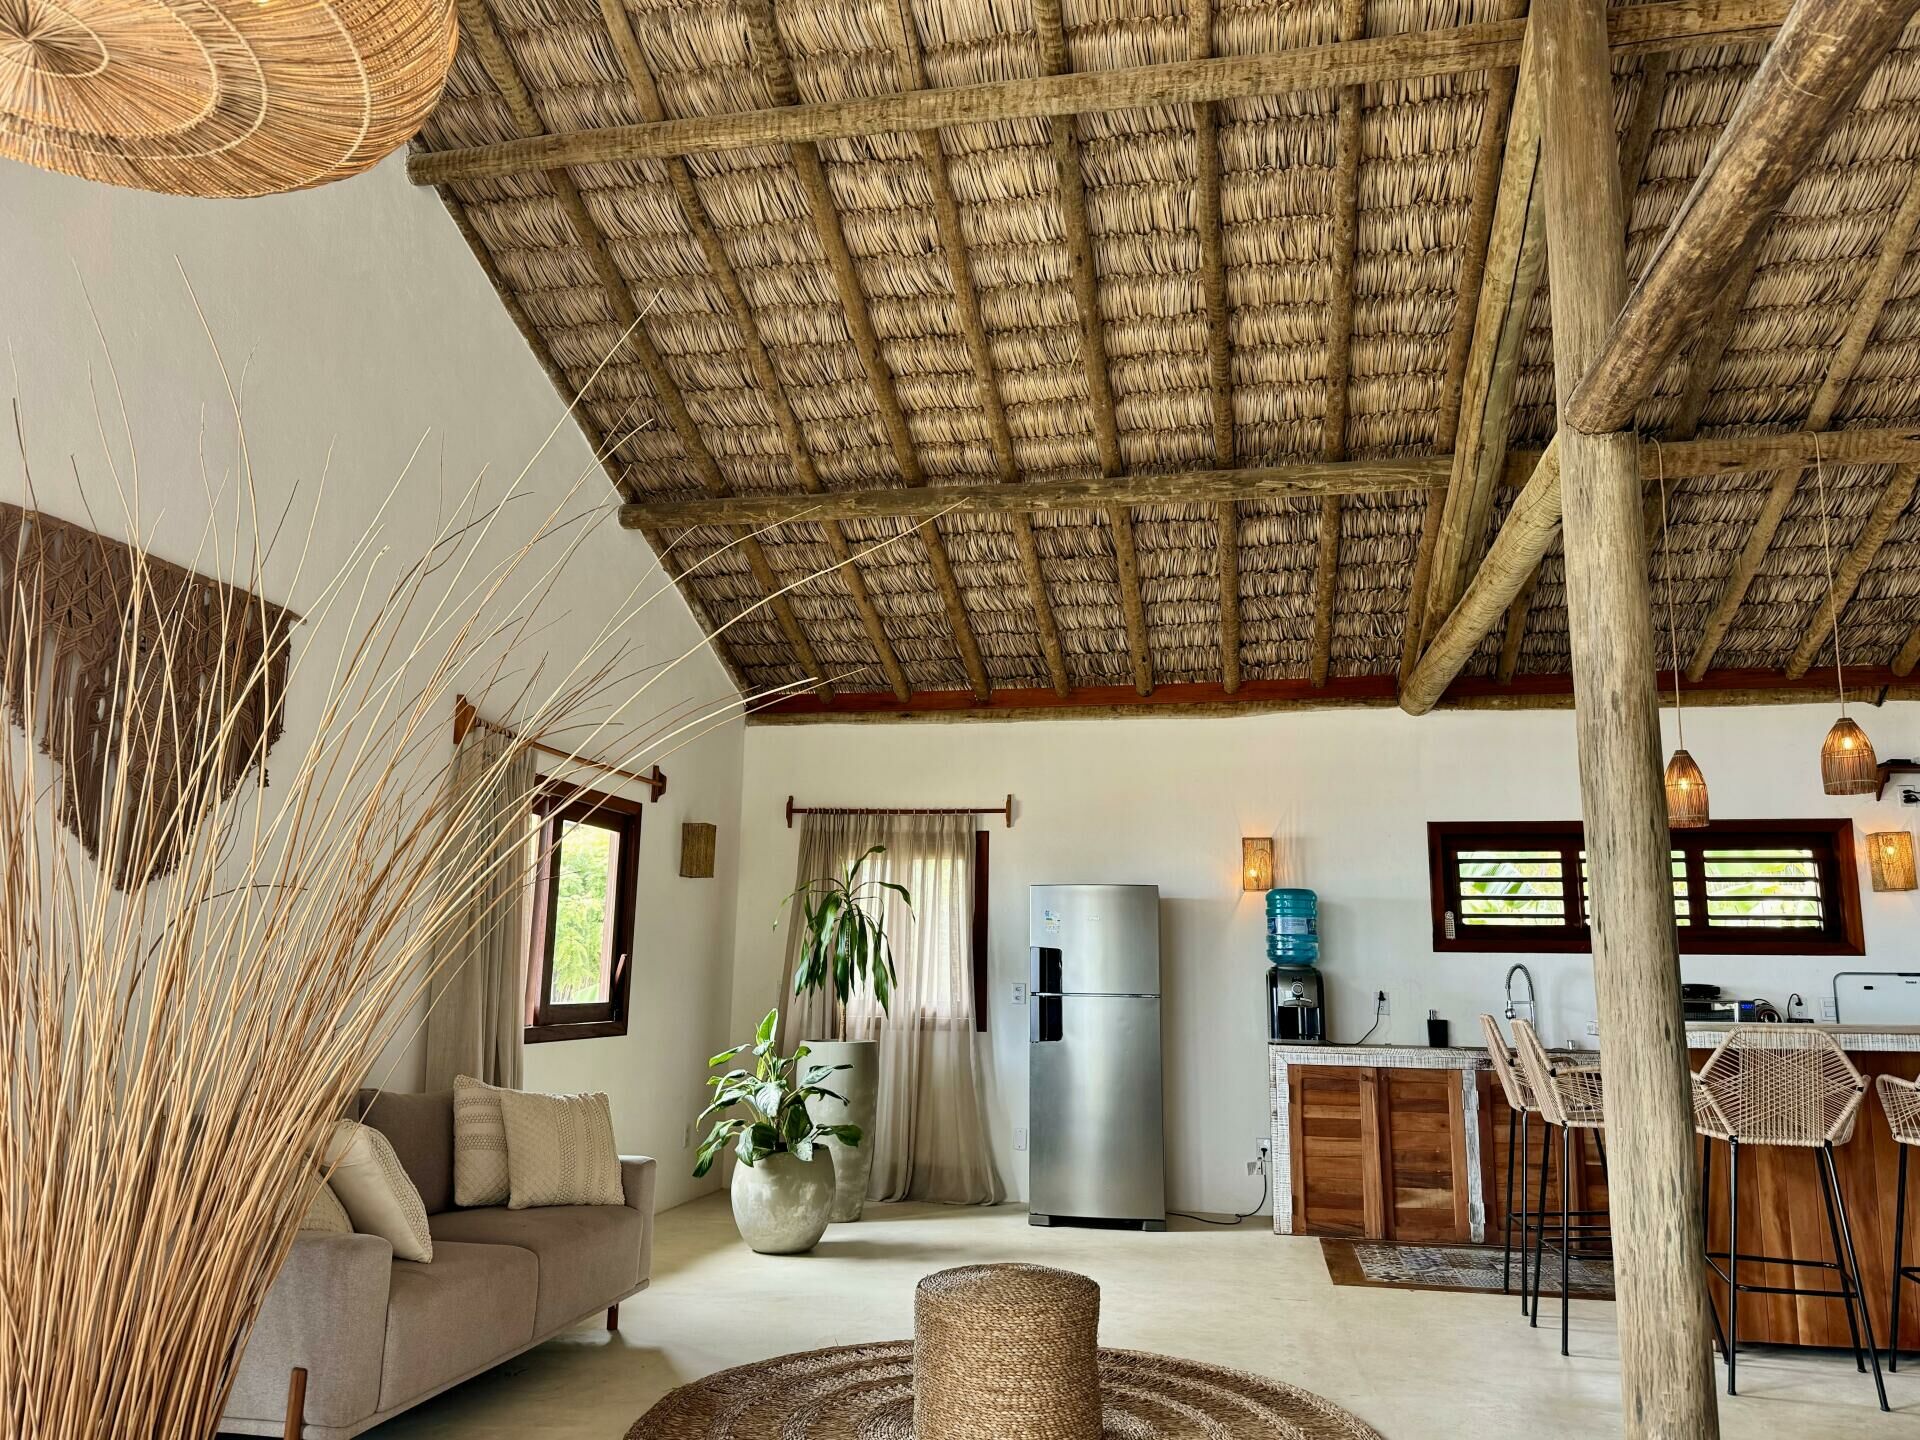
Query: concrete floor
pixel 1415 1364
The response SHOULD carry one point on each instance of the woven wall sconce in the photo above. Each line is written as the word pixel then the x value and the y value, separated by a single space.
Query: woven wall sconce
pixel 1890 856
pixel 697 843
pixel 218 97
pixel 1256 863
pixel 1847 763
pixel 1686 793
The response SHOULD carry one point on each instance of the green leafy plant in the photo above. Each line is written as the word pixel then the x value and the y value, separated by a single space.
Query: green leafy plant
pixel 846 942
pixel 763 1111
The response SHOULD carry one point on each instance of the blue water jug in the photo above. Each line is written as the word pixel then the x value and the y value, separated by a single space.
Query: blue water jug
pixel 1293 927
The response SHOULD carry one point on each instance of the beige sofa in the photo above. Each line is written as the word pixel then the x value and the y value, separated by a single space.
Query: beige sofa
pixel 376 1335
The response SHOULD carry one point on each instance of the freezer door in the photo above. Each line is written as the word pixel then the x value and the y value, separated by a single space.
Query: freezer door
pixel 1094 1109
pixel 1104 939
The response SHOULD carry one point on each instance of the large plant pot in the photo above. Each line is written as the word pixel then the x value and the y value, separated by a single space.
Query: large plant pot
pixel 861 1085
pixel 781 1204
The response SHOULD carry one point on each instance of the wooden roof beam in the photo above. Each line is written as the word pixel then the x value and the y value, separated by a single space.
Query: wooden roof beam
pixel 478 27
pixel 805 155
pixel 966 304
pixel 1815 67
pixel 1633 30
pixel 640 78
pixel 1213 281
pixel 1051 35
pixel 1892 504
pixel 1333 423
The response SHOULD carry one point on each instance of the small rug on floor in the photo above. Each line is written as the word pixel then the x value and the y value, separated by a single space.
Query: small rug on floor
pixel 865 1392
pixel 1454 1267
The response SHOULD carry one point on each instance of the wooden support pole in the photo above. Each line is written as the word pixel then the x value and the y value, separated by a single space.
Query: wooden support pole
pixel 1664 25
pixel 1333 424
pixel 1861 320
pixel 1822 56
pixel 966 306
pixel 1051 34
pixel 812 172
pixel 1893 502
pixel 1666 1358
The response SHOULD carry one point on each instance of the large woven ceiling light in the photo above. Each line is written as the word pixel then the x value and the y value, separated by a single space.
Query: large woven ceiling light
pixel 1848 765
pixel 1686 786
pixel 218 97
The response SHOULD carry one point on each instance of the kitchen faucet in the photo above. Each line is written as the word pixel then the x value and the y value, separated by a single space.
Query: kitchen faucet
pixel 1532 1009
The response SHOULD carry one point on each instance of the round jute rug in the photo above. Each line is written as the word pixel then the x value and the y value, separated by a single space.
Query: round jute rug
pixel 865 1392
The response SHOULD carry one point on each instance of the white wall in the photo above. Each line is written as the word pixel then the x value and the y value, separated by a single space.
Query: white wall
pixel 1347 794
pixel 357 319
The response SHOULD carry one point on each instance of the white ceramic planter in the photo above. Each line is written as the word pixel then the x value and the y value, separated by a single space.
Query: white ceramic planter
pixel 781 1205
pixel 861 1085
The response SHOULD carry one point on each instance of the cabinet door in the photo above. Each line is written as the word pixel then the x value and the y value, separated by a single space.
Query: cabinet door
pixel 1423 1147
pixel 1378 1154
pixel 1336 1154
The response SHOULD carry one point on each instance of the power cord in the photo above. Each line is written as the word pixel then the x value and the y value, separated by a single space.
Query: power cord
pixel 1266 1187
pixel 1379 1004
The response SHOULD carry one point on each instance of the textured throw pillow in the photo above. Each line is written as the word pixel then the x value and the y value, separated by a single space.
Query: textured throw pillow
pixel 374 1188
pixel 479 1144
pixel 560 1150
pixel 326 1214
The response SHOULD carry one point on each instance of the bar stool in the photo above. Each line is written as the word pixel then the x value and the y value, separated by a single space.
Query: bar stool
pixel 1901 1100
pixel 1520 1104
pixel 1786 1085
pixel 1568 1097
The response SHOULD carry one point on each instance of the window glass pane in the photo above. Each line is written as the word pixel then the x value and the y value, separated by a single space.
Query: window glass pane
pixel 1777 887
pixel 1511 887
pixel 583 908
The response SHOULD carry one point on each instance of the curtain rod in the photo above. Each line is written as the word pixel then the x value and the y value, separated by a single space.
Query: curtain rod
pixel 1006 810
pixel 465 717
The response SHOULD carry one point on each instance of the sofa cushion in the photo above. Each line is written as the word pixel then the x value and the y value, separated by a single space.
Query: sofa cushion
pixel 589 1254
pixel 420 1129
pixel 560 1150
pixel 472 1306
pixel 480 1174
pixel 376 1190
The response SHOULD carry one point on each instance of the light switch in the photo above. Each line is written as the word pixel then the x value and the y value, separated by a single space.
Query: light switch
pixel 1019 992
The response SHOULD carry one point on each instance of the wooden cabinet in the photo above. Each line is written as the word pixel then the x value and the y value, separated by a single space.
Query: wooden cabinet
pixel 1378 1153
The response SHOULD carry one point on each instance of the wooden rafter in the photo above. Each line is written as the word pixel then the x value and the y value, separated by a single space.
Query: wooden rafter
pixel 1333 424
pixel 478 27
pixel 1410 630
pixel 1861 320
pixel 640 78
pixel 805 155
pixel 1710 347
pixel 1051 35
pixel 966 304
pixel 1892 504
pixel 1633 30
pixel 1213 281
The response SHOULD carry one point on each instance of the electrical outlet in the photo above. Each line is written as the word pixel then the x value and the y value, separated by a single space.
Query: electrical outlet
pixel 1019 992
pixel 1386 1005
pixel 1020 1139
pixel 1263 1147
pixel 1593 1029
pixel 1910 794
pixel 1829 1009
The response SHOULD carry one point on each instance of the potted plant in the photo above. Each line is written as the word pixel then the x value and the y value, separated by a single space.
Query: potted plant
pixel 843 948
pixel 783 1186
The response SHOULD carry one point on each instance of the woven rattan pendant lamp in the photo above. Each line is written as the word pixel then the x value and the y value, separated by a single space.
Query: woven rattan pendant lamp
pixel 218 97
pixel 1848 765
pixel 1686 786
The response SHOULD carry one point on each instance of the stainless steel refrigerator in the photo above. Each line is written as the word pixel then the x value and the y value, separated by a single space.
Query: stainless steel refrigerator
pixel 1095 1146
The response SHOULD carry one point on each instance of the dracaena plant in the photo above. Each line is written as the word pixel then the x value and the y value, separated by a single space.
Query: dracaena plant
pixel 845 943
pixel 763 1111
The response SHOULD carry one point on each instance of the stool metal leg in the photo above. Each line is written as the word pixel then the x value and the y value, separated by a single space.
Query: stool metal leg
pixel 1526 1205
pixel 1540 1224
pixel 1840 1265
pixel 1706 1235
pixel 1566 1228
pixel 1853 1272
pixel 1733 1266
pixel 1899 1242
pixel 1506 1211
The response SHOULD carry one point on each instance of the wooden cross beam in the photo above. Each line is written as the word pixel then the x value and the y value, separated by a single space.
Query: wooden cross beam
pixel 1632 30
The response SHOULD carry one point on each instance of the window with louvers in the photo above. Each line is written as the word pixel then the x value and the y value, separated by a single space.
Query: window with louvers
pixel 1739 887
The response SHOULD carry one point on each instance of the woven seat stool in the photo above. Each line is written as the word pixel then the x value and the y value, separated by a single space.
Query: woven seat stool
pixel 1520 1105
pixel 1786 1085
pixel 1002 1350
pixel 1567 1098
pixel 1901 1100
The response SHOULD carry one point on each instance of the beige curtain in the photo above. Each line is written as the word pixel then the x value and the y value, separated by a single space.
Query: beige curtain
pixel 930 1140
pixel 476 1024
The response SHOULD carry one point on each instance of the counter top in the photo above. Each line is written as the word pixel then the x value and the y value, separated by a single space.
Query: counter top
pixel 1701 1035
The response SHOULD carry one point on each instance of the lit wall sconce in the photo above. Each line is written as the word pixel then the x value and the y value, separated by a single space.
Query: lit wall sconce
pixel 1890 855
pixel 1256 863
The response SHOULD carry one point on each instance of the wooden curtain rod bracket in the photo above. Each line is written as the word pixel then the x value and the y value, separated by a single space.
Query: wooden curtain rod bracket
pixel 1006 810
pixel 465 717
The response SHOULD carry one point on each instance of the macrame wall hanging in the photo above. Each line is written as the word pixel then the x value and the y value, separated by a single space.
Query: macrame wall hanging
pixel 152 704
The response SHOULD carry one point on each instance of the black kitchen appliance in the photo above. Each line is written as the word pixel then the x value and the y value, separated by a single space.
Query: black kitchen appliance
pixel 1296 1010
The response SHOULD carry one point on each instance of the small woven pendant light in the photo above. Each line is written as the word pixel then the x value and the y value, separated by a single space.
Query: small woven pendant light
pixel 218 97
pixel 1686 786
pixel 1848 765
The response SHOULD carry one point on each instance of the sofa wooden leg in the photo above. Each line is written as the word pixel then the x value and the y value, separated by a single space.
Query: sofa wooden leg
pixel 296 1404
pixel 613 1317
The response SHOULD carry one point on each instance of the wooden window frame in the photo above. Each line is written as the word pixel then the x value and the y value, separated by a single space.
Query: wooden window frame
pixel 1832 841
pixel 557 804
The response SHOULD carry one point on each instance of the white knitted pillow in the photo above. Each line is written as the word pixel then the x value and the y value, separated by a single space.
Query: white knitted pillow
pixel 325 1213
pixel 373 1186
pixel 480 1175
pixel 560 1150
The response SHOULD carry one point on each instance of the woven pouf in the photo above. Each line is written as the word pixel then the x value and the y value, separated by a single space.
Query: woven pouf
pixel 1003 1350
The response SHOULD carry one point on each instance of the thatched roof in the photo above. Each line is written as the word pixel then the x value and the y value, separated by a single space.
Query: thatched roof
pixel 800 330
